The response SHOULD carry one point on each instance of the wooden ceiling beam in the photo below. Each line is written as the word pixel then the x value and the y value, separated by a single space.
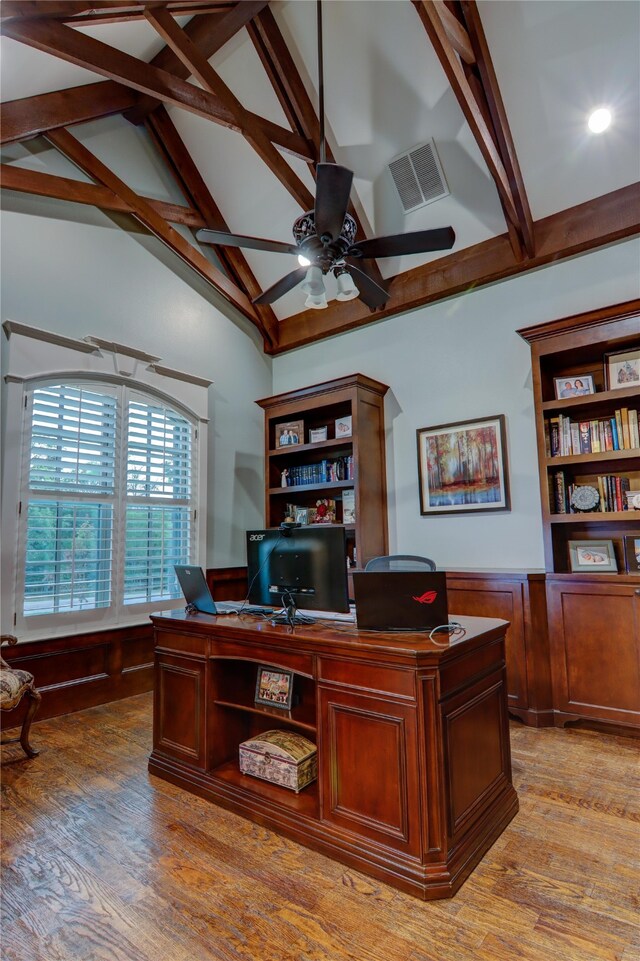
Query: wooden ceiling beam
pixel 429 13
pixel 498 117
pixel 145 213
pixel 75 47
pixel 285 77
pixel 201 69
pixel 596 223
pixel 209 34
pixel 64 188
pixel 188 177
pixel 100 11
pixel 457 35
pixel 31 116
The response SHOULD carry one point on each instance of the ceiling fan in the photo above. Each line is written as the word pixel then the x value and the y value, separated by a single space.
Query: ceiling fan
pixel 325 236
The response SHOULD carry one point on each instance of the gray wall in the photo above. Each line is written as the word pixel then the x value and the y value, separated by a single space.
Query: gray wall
pixel 458 360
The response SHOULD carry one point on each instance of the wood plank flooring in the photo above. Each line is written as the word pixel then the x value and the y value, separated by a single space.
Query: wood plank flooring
pixel 101 862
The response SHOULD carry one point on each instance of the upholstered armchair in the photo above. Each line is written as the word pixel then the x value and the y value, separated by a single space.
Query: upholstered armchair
pixel 14 685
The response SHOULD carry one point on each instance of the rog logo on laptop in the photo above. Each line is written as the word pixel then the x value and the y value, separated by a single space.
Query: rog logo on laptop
pixel 427 598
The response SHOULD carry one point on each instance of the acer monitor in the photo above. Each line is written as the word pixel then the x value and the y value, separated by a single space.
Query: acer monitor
pixel 306 566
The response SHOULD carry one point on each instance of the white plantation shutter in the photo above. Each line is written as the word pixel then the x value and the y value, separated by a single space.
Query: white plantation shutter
pixel 108 499
pixel 71 483
pixel 160 445
pixel 73 433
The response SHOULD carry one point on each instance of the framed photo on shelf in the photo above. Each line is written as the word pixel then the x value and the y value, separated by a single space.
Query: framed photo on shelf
pixel 622 369
pixel 632 554
pixel 592 557
pixel 290 433
pixel 573 386
pixel 301 515
pixel 463 467
pixel 343 426
pixel 317 434
pixel 274 688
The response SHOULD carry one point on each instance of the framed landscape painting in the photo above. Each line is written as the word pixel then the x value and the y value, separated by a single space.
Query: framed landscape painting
pixel 463 467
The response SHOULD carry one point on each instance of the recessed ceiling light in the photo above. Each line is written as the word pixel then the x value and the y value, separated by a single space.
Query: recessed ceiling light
pixel 599 120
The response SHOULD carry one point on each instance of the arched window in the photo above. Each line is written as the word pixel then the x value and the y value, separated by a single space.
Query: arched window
pixel 107 477
pixel 108 502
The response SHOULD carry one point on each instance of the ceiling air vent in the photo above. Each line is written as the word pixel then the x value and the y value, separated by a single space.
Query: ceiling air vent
pixel 418 176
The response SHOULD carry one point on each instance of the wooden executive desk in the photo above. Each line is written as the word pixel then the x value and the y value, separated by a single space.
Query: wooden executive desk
pixel 414 779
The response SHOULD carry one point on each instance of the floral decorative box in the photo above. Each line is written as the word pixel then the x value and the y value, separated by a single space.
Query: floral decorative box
pixel 282 757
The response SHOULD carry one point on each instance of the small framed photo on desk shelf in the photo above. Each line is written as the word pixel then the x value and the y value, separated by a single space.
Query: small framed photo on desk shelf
pixel 274 688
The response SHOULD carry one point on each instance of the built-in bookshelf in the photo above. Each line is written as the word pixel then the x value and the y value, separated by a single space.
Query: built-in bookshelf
pixel 325 461
pixel 586 371
pixel 586 375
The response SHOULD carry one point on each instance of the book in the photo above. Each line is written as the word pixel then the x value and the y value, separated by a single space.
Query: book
pixel 585 437
pixel 624 417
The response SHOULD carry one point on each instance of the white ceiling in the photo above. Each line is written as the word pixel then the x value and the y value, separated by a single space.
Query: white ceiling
pixel 385 91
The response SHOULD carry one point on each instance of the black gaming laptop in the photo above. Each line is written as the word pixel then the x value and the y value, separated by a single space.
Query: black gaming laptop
pixel 195 588
pixel 400 600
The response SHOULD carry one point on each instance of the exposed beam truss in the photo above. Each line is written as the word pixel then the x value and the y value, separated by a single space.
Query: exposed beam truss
pixel 55 38
pixel 148 216
pixel 76 191
pixel 175 154
pixel 31 116
pixel 201 69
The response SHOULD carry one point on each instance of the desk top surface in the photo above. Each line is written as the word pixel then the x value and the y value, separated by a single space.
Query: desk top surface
pixel 344 637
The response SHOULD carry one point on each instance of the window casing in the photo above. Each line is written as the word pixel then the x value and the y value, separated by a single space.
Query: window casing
pixel 107 506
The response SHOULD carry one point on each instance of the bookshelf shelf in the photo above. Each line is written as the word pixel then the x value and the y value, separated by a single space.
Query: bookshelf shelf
pixel 598 457
pixel 591 400
pixel 594 517
pixel 301 488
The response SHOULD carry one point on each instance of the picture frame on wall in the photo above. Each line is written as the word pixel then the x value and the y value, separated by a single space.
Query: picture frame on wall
pixel 462 467
pixel 632 554
pixel 573 386
pixel 591 556
pixel 274 688
pixel 622 369
pixel 289 433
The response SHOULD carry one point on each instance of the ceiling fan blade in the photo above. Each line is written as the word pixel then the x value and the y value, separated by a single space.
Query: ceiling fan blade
pixel 418 242
pixel 333 186
pixel 282 287
pixel 371 293
pixel 224 239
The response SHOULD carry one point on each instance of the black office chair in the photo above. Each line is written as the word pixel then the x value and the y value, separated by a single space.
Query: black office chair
pixel 400 562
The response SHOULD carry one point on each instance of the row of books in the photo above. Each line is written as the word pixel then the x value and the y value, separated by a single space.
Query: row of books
pixel 324 472
pixel 565 437
pixel 612 489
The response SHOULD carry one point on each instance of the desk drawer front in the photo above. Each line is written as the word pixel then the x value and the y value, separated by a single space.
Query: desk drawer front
pixel 365 677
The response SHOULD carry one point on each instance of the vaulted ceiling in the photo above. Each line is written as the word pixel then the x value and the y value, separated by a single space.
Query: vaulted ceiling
pixel 226 94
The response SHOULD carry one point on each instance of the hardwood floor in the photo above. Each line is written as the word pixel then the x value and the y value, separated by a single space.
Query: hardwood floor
pixel 102 862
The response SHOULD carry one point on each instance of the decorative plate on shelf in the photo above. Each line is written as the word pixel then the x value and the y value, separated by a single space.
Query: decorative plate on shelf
pixel 585 498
